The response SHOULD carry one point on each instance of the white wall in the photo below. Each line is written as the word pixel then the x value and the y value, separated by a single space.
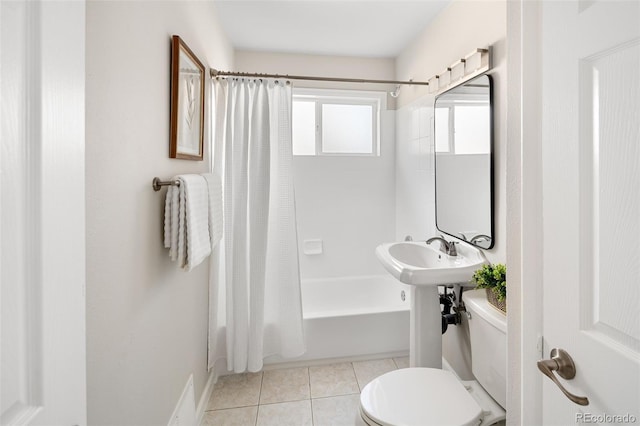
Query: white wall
pixel 348 202
pixel 146 320
pixel 459 29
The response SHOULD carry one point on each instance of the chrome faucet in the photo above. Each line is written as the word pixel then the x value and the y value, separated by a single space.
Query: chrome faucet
pixel 479 238
pixel 447 247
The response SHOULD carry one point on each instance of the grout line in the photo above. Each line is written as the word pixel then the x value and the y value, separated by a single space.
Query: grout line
pixel 283 402
pixel 356 376
pixel 336 396
pixel 310 399
pixel 310 387
pixel 309 374
pixel 261 383
pixel 259 397
pixel 311 404
pixel 395 363
pixel 309 382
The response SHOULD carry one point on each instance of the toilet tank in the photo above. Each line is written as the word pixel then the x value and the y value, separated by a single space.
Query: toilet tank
pixel 488 331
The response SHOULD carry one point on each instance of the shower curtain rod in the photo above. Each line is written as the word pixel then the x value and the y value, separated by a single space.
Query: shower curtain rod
pixel 484 65
pixel 216 73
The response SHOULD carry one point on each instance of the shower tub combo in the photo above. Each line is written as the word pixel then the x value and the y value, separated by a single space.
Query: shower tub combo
pixel 350 317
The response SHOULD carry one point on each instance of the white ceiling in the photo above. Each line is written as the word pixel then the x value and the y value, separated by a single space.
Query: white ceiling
pixel 366 28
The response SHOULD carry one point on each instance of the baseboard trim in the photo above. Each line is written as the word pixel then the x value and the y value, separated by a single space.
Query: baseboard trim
pixel 184 413
pixel 206 395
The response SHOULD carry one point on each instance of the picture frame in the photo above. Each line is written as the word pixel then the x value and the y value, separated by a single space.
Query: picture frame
pixel 187 103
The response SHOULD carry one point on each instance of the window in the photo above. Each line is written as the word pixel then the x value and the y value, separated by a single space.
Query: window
pixel 330 122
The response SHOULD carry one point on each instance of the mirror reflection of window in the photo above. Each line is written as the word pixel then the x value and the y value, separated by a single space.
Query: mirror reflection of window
pixel 471 124
pixel 442 130
pixel 463 128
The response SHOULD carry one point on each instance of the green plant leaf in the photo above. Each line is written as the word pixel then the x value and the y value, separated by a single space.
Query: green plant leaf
pixel 493 277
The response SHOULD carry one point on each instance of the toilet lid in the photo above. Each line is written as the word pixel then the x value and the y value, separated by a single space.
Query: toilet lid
pixel 419 397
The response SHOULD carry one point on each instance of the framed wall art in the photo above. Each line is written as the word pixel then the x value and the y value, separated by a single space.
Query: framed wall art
pixel 187 103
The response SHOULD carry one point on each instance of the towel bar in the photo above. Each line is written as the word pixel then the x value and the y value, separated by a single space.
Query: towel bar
pixel 157 183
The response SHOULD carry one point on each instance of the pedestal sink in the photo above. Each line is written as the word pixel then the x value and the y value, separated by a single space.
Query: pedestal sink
pixel 425 267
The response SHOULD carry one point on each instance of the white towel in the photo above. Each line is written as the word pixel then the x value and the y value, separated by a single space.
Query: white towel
pixel 196 199
pixel 186 232
pixel 215 207
pixel 171 219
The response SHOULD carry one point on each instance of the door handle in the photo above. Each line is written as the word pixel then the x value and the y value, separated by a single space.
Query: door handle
pixel 562 363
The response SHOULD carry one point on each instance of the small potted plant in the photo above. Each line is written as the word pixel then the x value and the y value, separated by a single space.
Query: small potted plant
pixel 493 278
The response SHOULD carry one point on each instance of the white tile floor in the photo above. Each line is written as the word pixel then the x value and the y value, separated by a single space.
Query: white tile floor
pixel 311 396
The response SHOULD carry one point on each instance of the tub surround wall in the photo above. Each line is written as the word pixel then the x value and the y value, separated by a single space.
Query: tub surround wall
pixel 346 202
pixel 343 200
pixel 415 189
pixel 146 320
pixel 460 28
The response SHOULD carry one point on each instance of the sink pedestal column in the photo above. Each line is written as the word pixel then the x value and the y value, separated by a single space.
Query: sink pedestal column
pixel 425 344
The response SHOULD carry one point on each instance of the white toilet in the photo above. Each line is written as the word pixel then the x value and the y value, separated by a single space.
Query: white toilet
pixel 430 396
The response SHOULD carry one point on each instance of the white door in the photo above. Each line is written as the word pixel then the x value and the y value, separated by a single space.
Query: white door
pixel 42 261
pixel 591 207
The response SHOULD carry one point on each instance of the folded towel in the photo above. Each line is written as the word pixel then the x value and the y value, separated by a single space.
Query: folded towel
pixel 186 232
pixel 215 207
pixel 171 219
pixel 196 198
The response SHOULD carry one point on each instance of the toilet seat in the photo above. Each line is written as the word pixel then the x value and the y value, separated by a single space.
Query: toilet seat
pixel 418 397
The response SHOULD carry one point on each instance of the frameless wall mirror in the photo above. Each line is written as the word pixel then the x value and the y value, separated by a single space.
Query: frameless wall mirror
pixel 463 164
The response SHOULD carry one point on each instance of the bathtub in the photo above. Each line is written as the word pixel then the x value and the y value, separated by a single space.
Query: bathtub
pixel 355 317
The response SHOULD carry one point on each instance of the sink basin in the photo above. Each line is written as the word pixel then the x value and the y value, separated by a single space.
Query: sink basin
pixel 421 264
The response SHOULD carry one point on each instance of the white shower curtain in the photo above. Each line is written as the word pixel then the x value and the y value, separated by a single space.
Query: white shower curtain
pixel 255 300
